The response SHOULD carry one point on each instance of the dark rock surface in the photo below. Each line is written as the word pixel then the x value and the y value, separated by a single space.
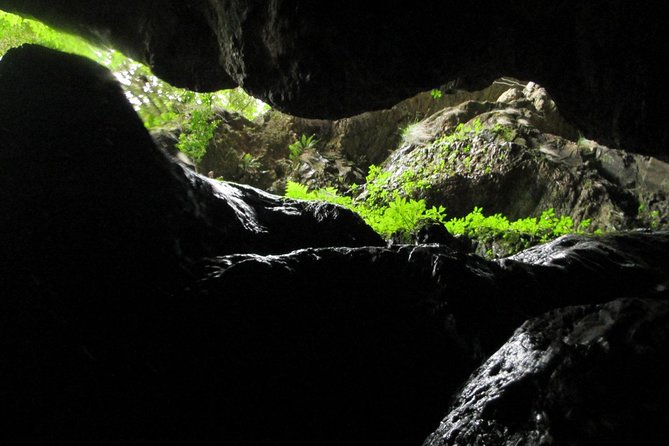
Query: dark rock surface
pixel 279 349
pixel 99 230
pixel 122 321
pixel 81 171
pixel 590 375
pixel 598 59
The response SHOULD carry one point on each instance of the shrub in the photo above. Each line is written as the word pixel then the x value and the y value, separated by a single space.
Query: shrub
pixel 197 132
pixel 303 143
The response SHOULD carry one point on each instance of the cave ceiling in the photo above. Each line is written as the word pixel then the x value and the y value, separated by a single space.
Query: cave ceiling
pixel 601 61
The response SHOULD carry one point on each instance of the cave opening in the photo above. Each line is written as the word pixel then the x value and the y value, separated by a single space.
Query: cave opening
pixel 367 255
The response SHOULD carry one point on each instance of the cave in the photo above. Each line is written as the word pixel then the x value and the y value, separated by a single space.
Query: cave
pixel 145 303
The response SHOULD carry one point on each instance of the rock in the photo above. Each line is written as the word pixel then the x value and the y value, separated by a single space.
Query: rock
pixel 592 375
pixel 100 234
pixel 325 63
pixel 345 148
pixel 535 161
pixel 374 339
pixel 122 321
pixel 257 153
pixel 272 224
pixel 435 233
pixel 518 157
pixel 98 180
pixel 622 261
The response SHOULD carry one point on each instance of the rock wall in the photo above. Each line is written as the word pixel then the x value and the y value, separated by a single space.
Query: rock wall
pixel 523 159
pixel 598 59
pixel 344 150
pixel 514 154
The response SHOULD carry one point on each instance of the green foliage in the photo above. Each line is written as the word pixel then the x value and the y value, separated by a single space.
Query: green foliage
pixel 462 133
pixel 240 101
pixel 15 31
pixel 399 217
pixel 385 202
pixel 303 143
pixel 387 213
pixel 436 94
pixel 392 215
pixel 249 163
pixel 546 227
pixel 377 190
pixel 506 133
pixel 299 191
pixel 157 103
pixel 458 152
pixel 162 105
pixel 198 131
pixel 518 234
pixel 413 180
pixel 646 217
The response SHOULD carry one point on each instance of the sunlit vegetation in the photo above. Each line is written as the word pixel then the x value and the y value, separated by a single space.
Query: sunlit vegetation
pixel 302 143
pixel 157 103
pixel 396 217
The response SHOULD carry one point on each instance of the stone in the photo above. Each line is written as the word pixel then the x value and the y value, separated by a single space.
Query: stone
pixel 345 149
pixel 97 178
pixel 377 339
pixel 101 233
pixel 523 160
pixel 599 61
pixel 143 303
pixel 592 375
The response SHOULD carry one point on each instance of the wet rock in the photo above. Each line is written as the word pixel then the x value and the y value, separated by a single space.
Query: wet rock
pixel 272 224
pixel 435 233
pixel 278 348
pixel 591 375
pixel 622 262
pixel 366 337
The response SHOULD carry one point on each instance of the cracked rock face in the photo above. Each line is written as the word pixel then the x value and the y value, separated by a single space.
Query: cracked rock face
pixel 599 60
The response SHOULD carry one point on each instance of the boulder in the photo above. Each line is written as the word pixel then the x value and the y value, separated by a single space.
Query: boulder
pixel 374 339
pixel 81 171
pixel 588 375
pixel 280 348
pixel 515 155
